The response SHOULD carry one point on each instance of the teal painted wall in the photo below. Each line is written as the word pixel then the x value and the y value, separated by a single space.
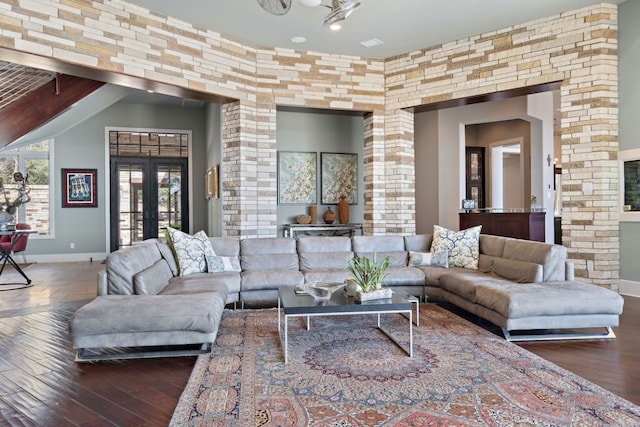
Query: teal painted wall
pixel 84 147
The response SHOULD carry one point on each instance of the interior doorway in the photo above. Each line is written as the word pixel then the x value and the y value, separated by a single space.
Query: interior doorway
pixel 507 175
pixel 147 196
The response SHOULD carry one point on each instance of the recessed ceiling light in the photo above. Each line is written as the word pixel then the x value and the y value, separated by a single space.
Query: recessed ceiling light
pixel 298 39
pixel 335 27
pixel 371 43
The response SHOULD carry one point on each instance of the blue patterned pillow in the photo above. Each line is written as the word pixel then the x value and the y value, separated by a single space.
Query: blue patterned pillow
pixel 216 264
pixel 436 259
pixel 190 251
pixel 463 246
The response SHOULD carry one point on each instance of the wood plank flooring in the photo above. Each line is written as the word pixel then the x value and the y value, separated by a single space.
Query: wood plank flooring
pixel 40 385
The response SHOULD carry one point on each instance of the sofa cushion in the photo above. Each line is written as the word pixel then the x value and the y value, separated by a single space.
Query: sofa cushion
pixel 152 280
pixel 324 253
pixel 225 246
pixel 167 254
pixel 324 260
pixel 463 246
pixel 190 251
pixel 437 259
pixel 485 263
pixel 403 276
pixel 203 282
pixel 270 279
pixel 123 264
pixel 515 301
pixel 518 271
pixel 462 282
pixel 324 244
pixel 492 245
pixel 383 246
pixel 270 253
pixel 119 313
pixel 551 257
pixel 418 242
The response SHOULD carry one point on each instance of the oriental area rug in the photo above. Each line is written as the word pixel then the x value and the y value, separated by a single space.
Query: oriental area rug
pixel 344 372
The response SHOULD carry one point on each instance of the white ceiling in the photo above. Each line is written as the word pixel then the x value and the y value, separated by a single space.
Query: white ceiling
pixel 403 25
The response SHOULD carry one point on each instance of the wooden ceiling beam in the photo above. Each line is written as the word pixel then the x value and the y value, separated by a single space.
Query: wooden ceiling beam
pixel 41 105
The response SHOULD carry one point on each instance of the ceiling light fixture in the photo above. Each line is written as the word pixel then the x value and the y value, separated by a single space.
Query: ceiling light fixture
pixel 340 10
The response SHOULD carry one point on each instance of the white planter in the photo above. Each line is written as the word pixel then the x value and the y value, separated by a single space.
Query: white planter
pixel 381 293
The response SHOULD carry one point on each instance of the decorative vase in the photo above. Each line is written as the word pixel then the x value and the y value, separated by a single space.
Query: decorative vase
pixel 343 210
pixel 313 213
pixel 329 216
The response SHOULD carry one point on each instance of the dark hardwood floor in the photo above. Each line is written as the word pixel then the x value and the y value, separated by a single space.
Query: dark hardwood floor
pixel 40 385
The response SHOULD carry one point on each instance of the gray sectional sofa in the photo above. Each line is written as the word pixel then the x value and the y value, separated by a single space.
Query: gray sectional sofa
pixel 519 286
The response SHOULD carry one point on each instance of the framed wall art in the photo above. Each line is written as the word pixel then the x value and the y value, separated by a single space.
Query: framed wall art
pixel 79 188
pixel 339 174
pixel 297 177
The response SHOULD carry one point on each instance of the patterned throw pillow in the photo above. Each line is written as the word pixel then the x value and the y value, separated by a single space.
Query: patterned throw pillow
pixel 463 246
pixel 436 259
pixel 216 264
pixel 190 251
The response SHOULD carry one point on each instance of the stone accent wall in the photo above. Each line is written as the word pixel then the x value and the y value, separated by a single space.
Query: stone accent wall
pixel 578 48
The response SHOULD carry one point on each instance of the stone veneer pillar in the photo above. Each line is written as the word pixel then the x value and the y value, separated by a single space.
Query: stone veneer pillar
pixel 249 172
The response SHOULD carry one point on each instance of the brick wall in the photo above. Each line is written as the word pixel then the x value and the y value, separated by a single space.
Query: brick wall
pixel 578 49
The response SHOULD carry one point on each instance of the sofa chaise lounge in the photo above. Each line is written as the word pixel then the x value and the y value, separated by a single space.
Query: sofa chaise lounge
pixel 518 285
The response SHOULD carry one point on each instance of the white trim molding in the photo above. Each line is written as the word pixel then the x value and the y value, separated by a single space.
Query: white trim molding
pixel 630 288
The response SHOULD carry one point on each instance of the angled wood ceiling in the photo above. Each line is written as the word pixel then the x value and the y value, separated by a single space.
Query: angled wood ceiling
pixel 29 97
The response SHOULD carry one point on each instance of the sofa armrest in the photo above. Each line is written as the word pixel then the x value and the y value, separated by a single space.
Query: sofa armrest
pixel 103 288
pixel 569 271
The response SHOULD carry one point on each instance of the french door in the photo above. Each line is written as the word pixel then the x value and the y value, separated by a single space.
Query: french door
pixel 147 196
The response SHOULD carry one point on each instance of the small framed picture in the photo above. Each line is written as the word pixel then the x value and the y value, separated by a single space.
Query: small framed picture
pixel 468 204
pixel 79 188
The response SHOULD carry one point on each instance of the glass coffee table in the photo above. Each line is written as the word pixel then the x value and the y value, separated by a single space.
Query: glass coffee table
pixel 296 305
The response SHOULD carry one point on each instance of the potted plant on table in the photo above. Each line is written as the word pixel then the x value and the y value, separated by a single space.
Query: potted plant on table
pixel 368 275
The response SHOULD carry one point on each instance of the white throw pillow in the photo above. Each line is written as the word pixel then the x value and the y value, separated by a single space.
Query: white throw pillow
pixel 437 259
pixel 190 251
pixel 217 264
pixel 463 246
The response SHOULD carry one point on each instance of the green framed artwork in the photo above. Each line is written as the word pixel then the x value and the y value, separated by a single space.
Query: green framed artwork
pixel 297 177
pixel 339 174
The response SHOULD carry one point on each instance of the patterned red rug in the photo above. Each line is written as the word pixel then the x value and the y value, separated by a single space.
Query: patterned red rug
pixel 344 372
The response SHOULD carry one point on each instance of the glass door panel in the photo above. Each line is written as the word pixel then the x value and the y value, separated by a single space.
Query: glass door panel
pixel 130 196
pixel 169 185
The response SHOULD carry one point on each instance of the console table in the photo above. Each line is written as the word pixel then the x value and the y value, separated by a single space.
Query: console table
pixel 293 230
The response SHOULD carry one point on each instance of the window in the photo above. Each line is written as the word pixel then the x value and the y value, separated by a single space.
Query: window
pixel 34 160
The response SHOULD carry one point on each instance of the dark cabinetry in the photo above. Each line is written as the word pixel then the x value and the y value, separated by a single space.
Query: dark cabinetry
pixel 520 225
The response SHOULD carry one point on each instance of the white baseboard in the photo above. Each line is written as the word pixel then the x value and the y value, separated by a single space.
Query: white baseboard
pixel 96 257
pixel 628 287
